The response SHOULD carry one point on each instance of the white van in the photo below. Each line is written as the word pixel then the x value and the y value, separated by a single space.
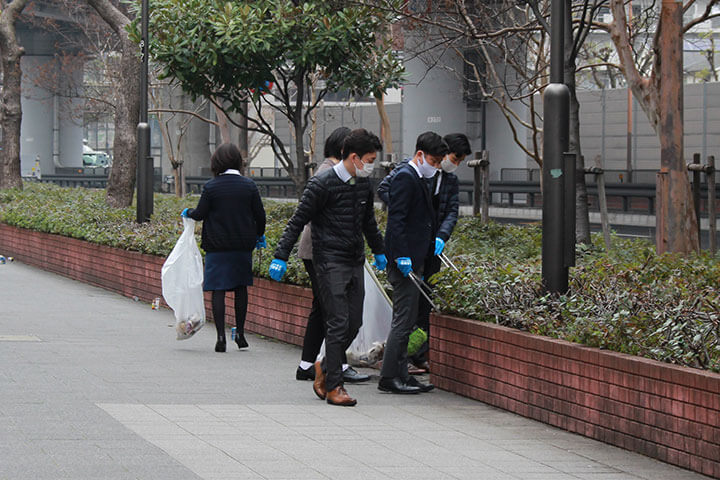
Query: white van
pixel 93 158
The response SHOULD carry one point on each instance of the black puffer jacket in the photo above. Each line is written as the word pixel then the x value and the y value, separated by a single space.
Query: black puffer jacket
pixel 448 200
pixel 340 214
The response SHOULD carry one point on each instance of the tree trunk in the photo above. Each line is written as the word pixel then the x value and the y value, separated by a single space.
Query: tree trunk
pixel 244 138
pixel 385 132
pixel 179 178
pixel 676 224
pixel 12 52
pixel 224 124
pixel 121 183
pixel 300 176
pixel 582 216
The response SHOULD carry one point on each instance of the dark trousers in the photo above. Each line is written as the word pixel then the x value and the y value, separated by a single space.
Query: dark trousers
pixel 405 308
pixel 342 290
pixel 218 310
pixel 315 329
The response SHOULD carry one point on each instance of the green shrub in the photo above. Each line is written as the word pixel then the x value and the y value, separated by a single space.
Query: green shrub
pixel 629 299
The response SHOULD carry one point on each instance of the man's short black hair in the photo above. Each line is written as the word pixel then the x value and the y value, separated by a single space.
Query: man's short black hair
pixel 458 143
pixel 334 143
pixel 432 144
pixel 361 142
pixel 226 156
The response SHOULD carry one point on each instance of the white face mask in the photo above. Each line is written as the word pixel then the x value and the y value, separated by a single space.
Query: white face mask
pixel 447 165
pixel 427 170
pixel 365 171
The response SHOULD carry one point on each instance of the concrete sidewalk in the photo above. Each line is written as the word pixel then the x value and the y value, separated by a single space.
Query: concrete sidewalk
pixel 95 386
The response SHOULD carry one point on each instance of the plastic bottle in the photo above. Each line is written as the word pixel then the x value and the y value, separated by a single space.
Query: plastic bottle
pixel 233 333
pixel 2 260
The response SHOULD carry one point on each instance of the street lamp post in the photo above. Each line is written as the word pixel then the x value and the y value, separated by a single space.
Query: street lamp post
pixel 558 241
pixel 144 160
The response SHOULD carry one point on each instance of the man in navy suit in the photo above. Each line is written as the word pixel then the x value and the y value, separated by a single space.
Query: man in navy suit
pixel 408 241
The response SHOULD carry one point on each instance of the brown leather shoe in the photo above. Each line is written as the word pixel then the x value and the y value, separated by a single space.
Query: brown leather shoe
pixel 339 396
pixel 319 382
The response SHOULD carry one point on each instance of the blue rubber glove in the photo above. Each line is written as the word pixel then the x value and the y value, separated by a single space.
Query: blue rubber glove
pixel 439 245
pixel 380 261
pixel 404 265
pixel 261 242
pixel 185 213
pixel 277 269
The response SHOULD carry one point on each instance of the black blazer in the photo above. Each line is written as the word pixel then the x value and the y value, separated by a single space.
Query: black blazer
pixel 410 224
pixel 232 213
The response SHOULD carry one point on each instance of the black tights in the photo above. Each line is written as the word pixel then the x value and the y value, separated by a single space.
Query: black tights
pixel 218 310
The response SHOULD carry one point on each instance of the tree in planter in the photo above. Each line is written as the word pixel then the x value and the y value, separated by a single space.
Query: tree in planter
pixel 174 123
pixel 173 127
pixel 660 96
pixel 504 47
pixel 11 113
pixel 266 52
pixel 121 183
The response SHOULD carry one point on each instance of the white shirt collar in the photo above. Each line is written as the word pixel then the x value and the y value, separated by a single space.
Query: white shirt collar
pixel 231 171
pixel 439 181
pixel 342 172
pixel 417 168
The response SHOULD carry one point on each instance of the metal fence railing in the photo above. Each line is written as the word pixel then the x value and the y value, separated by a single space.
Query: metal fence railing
pixel 622 197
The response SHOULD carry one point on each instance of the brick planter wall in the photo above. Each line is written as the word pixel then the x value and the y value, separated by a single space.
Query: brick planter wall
pixel 275 310
pixel 663 411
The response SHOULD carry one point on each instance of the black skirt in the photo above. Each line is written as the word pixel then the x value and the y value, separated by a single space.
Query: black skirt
pixel 227 270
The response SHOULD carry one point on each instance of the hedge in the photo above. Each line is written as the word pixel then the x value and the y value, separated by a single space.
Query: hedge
pixel 627 299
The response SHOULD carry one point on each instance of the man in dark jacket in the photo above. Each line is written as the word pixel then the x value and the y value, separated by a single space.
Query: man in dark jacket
pixel 339 203
pixel 408 241
pixel 444 188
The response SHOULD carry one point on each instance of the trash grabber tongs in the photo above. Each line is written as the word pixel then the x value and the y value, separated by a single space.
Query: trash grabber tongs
pixel 419 283
pixel 447 262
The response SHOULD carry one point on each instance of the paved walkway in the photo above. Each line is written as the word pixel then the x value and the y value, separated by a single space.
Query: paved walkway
pixel 95 386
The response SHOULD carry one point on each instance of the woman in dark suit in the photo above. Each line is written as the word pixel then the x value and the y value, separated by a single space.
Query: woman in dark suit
pixel 233 226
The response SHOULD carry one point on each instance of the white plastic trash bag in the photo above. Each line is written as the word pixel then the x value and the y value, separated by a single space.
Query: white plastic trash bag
pixel 369 344
pixel 182 280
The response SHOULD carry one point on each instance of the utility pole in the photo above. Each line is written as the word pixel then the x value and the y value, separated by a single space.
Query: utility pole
pixel 558 242
pixel 144 160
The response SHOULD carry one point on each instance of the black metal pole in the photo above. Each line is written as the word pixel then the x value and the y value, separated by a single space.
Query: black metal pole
pixel 556 108
pixel 144 160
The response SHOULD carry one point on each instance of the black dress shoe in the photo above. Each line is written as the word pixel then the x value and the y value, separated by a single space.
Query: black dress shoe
pixel 351 375
pixel 302 374
pixel 220 345
pixel 241 342
pixel 424 387
pixel 396 385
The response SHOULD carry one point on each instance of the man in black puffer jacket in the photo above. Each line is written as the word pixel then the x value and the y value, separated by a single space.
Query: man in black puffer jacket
pixel 339 203
pixel 445 191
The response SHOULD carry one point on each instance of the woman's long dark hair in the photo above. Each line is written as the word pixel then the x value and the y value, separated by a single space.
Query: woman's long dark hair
pixel 226 156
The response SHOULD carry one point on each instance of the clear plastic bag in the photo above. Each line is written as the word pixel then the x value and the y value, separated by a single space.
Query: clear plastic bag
pixel 182 280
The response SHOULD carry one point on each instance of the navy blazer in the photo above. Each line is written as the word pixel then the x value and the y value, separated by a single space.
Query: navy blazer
pixel 232 212
pixel 448 202
pixel 410 223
